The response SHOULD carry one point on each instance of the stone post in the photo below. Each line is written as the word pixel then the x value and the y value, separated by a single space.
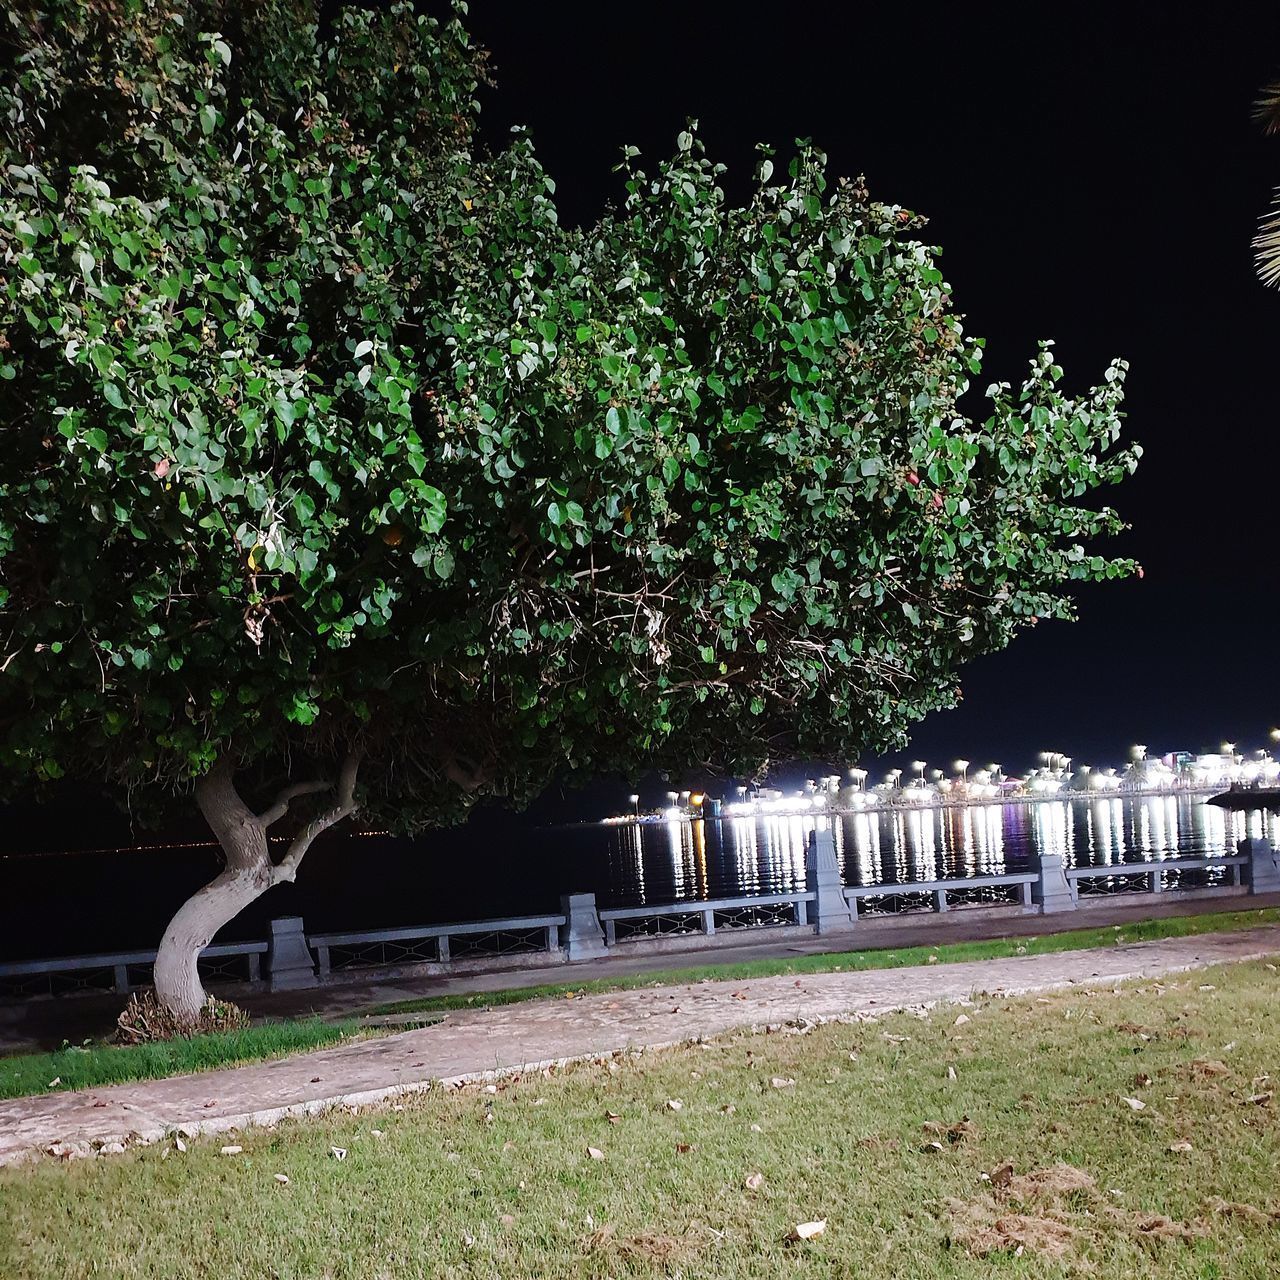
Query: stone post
pixel 289 961
pixel 1052 892
pixel 829 911
pixel 582 934
pixel 1262 871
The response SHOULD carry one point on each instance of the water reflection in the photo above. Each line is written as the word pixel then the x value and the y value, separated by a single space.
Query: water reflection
pixel 712 858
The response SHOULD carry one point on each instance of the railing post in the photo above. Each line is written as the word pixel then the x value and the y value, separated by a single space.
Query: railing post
pixel 1025 886
pixel 708 922
pixel 255 966
pixel 802 911
pixel 120 978
pixel 939 899
pixel 1261 872
pixel 831 910
pixel 443 954
pixel 289 962
pixel 582 936
pixel 1051 892
pixel 1156 880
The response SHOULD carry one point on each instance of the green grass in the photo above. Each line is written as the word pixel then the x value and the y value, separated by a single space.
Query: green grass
pixel 880 958
pixel 469 1183
pixel 97 1064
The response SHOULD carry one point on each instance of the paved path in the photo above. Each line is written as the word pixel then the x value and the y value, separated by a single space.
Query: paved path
pixel 474 1042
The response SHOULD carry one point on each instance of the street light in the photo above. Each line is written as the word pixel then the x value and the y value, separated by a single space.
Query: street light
pixel 635 804
pixel 918 766
pixel 962 768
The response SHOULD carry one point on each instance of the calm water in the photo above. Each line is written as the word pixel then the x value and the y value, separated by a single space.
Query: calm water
pixel 664 862
pixel 75 903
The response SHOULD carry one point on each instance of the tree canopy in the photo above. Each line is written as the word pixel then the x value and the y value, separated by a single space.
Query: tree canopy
pixel 319 432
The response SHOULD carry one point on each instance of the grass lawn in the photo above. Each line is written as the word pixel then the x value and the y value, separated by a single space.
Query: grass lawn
pixel 879 958
pixel 884 1130
pixel 97 1064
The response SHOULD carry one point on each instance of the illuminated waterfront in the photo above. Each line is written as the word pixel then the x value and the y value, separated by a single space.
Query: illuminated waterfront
pixel 685 858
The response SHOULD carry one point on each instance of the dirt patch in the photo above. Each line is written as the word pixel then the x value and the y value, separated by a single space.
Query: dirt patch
pixel 647 1247
pixel 1155 1226
pixel 1059 1208
pixel 1049 1186
pixel 974 1230
pixel 1242 1212
pixel 1208 1069
pixel 964 1130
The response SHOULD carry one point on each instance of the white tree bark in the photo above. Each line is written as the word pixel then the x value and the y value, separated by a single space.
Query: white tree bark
pixel 249 873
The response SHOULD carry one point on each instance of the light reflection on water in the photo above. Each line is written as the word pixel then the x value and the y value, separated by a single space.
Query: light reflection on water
pixel 730 857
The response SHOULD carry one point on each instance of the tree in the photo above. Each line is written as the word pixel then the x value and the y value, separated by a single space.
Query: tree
pixel 1266 243
pixel 332 464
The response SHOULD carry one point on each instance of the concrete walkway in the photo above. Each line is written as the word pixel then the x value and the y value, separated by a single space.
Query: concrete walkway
pixel 474 1042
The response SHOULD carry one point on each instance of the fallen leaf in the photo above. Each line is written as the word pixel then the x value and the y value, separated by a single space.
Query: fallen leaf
pixel 315 1079
pixel 338 1153
pixel 729 1109
pixel 1181 1145
pixel 595 1153
pixel 1260 1099
pixel 932 1148
pixel 807 1230
pixel 755 1128
pixel 178 1142
pixel 951 1073
pixel 377 1133
pixel 612 1117
pixel 674 1104
pixel 892 1039
pixel 1001 1175
pixel 55 1082
pixel 1135 1104
pixel 683 1148
pixel 231 1151
pixel 1141 1080
pixel 281 1178
pixel 961 1019
pixel 782 1082
pixel 507 1220
pixel 754 1181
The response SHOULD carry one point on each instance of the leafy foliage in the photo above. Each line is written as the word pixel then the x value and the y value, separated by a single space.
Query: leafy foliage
pixel 318 428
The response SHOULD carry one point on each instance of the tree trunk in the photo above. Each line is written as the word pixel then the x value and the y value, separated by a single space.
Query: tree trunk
pixel 247 876
pixel 249 873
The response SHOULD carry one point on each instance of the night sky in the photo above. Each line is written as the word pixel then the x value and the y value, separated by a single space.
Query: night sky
pixel 1096 181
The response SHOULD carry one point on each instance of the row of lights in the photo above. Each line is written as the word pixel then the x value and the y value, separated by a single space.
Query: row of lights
pixel 1051 777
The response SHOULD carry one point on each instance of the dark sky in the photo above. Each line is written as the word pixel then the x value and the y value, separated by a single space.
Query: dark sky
pixel 1095 179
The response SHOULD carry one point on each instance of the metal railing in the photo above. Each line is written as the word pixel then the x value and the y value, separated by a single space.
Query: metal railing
pixel 936 895
pixel 628 924
pixel 1153 872
pixel 438 943
pixel 122 971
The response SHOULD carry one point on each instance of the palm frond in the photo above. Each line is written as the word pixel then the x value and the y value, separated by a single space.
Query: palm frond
pixel 1266 246
pixel 1267 108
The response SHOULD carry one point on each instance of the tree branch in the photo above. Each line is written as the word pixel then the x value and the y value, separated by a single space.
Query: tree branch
pixel 287 867
pixel 280 805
